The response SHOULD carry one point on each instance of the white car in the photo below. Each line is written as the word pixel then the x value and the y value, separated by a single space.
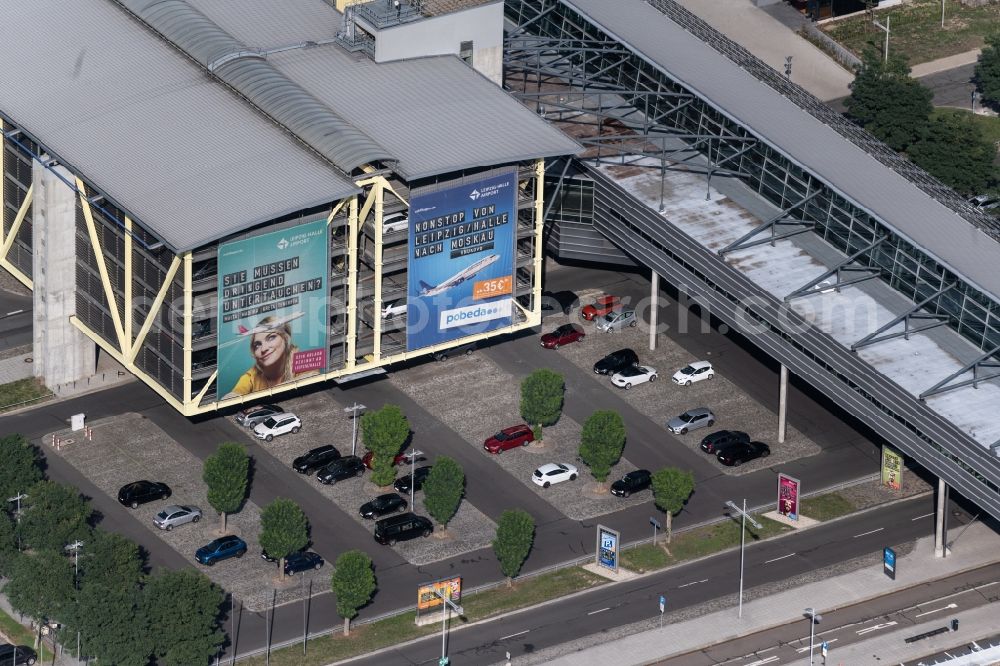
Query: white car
pixel 637 374
pixel 551 473
pixel 693 372
pixel 395 222
pixel 279 424
pixel 393 308
pixel 175 515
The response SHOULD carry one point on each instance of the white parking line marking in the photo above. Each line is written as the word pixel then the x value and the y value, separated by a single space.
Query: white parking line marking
pixel 937 610
pixel 13 312
pixel 806 648
pixel 926 515
pixel 692 583
pixel 520 633
pixel 779 558
pixel 874 628
pixel 867 533
pixel 599 611
pixel 761 662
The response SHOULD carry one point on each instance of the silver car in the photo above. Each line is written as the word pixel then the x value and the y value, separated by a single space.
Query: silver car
pixel 616 320
pixel 175 515
pixel 692 419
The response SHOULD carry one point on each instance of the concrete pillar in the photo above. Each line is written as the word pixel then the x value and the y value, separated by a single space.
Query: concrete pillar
pixel 782 403
pixel 941 520
pixel 62 353
pixel 654 298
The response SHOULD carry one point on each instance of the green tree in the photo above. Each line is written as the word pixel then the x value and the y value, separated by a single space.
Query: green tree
pixel 227 474
pixel 443 490
pixel 954 150
pixel 601 442
pixel 671 489
pixel 20 466
pixel 53 515
pixel 887 102
pixel 183 608
pixel 514 537
pixel 284 529
pixel 988 70
pixel 8 544
pixel 41 586
pixel 542 398
pixel 353 582
pixel 384 432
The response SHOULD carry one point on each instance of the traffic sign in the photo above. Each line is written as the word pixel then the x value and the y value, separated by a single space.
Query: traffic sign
pixel 663 603
pixel 655 523
pixel 823 648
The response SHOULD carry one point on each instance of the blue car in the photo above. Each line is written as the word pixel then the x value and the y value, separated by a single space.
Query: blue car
pixel 221 549
pixel 299 562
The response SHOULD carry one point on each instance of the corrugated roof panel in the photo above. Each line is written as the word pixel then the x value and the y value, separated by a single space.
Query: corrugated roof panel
pixel 268 24
pixel 900 204
pixel 186 157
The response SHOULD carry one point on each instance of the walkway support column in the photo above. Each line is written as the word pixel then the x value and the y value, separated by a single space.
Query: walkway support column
pixel 782 403
pixel 654 298
pixel 62 354
pixel 941 520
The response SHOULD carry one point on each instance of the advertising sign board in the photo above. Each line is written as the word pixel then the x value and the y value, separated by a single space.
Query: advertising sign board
pixel 461 260
pixel 608 541
pixel 789 491
pixel 272 294
pixel 892 468
pixel 450 587
pixel 889 562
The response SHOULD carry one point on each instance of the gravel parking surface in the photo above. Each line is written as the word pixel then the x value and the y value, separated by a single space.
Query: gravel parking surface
pixel 497 405
pixel 662 400
pixel 128 448
pixel 325 422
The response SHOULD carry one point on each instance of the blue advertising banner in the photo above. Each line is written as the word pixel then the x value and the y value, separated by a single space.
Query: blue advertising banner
pixel 461 262
pixel 272 309
pixel 607 547
pixel 889 562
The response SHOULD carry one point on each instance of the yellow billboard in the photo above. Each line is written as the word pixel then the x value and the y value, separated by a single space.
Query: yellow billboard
pixel 892 468
pixel 450 587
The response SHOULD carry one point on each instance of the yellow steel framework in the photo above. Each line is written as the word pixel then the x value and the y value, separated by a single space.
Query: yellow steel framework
pixel 7 240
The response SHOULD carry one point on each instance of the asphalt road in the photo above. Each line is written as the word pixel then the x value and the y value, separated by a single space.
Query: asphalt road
pixel 952 87
pixel 15 320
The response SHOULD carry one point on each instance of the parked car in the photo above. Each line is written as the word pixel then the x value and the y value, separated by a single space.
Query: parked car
pixel 403 527
pixel 692 419
pixel 17 655
pixel 315 458
pixel 693 372
pixel 276 425
pixel 340 469
pixel 563 335
pixel 394 308
pixel 302 561
pixel 140 492
pixel 637 374
pixel 632 482
pixel 616 320
pixel 742 452
pixel 393 222
pixel 558 301
pixel 616 361
pixel 176 514
pixel 402 484
pixel 221 549
pixel 721 439
pixel 398 459
pixel 382 505
pixel 445 354
pixel 509 438
pixel 599 307
pixel 551 473
pixel 251 416
pixel 985 201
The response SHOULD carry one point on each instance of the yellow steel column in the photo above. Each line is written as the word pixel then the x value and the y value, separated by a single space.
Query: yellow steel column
pixel 128 283
pixel 536 287
pixel 3 179
pixel 377 304
pixel 352 283
pixel 188 302
pixel 102 268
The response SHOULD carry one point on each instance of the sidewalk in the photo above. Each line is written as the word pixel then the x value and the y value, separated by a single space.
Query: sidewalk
pixel 977 547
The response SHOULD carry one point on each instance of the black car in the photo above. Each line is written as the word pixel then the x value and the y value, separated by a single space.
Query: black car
pixel 402 484
pixel 403 527
pixel 251 416
pixel 16 655
pixel 140 492
pixel 632 482
pixel 302 561
pixel 381 505
pixel 340 469
pixel 561 301
pixel 742 452
pixel 315 458
pixel 616 362
pixel 721 439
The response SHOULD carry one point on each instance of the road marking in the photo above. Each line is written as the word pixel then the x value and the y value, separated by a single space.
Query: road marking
pixel 867 533
pixel 806 648
pixel 520 633
pixel 937 610
pixel 13 312
pixel 761 662
pixel 599 611
pixel 779 558
pixel 875 628
pixel 926 515
pixel 692 583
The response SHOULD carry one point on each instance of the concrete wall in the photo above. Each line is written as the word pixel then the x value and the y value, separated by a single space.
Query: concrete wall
pixel 62 353
pixel 444 34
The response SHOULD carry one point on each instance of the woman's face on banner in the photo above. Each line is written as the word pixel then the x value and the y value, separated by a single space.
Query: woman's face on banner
pixel 268 348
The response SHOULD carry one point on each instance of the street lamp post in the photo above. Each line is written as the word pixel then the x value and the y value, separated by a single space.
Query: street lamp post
pixel 886 28
pixel 447 603
pixel 75 547
pixel 17 498
pixel 743 531
pixel 413 470
pixel 814 619
pixel 353 411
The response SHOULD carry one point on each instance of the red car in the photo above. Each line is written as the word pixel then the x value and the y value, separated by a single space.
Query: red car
pixel 509 438
pixel 601 306
pixel 400 459
pixel 563 335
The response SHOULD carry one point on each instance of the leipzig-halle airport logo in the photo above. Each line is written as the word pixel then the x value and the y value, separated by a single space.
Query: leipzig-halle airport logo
pixel 282 244
pixel 474 194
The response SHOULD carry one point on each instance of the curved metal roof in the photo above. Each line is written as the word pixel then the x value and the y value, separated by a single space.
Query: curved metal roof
pixel 248 72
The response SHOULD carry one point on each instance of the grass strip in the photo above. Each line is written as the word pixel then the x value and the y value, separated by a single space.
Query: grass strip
pixel 21 391
pixel 988 125
pixel 401 628
pixel 18 634
pixel 826 507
